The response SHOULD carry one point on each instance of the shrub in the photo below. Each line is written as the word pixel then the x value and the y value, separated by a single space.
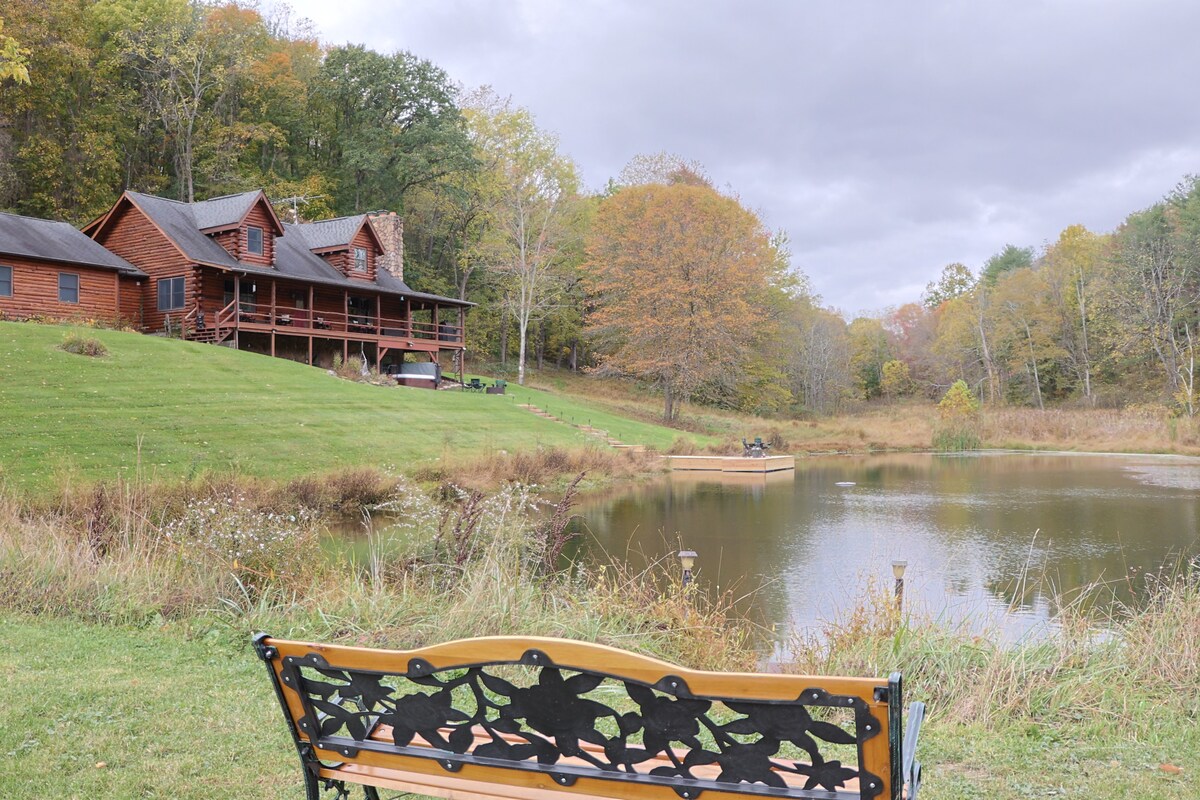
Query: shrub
pixel 958 424
pixel 83 346
pixel 229 531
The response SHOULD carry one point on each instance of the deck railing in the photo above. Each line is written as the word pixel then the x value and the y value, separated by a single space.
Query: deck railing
pixel 316 322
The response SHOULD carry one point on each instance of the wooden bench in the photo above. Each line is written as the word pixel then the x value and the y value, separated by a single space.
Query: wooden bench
pixel 547 719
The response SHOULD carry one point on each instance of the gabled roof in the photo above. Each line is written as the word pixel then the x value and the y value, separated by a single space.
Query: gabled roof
pixel 294 256
pixel 224 212
pixel 337 233
pixel 177 222
pixel 57 241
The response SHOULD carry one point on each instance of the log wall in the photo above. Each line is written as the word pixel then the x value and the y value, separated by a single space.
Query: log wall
pixel 135 238
pixel 35 291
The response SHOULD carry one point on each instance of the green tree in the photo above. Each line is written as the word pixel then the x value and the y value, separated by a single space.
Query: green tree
pixel 1007 260
pixel 956 280
pixel 388 124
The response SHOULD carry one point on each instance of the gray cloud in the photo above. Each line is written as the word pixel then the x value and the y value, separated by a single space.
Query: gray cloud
pixel 887 138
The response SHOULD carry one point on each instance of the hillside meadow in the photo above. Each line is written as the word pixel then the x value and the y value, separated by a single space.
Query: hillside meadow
pixel 164 409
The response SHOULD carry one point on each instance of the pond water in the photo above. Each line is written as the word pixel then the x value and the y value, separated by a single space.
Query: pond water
pixel 994 541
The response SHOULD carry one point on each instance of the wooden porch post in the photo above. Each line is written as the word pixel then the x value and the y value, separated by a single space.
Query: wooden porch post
pixel 437 331
pixel 272 319
pixel 408 316
pixel 237 311
pixel 312 316
pixel 346 311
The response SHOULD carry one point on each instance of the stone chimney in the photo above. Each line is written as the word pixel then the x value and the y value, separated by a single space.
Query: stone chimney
pixel 389 227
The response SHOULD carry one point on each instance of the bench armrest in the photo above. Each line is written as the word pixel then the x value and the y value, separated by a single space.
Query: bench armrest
pixel 912 767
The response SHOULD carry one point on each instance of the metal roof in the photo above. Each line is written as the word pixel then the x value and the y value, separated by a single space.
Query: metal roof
pixel 57 241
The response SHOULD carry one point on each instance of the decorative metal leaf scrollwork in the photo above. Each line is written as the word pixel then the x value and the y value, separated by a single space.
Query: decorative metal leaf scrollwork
pixel 557 723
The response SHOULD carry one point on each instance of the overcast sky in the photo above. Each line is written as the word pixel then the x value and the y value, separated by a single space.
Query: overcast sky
pixel 887 138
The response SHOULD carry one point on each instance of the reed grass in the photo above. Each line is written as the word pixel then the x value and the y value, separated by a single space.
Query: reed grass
pixel 247 556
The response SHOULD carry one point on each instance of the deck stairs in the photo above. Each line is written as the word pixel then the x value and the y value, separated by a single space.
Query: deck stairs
pixel 211 335
pixel 595 433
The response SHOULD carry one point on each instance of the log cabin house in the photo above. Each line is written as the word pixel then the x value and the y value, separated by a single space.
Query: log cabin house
pixel 49 269
pixel 228 271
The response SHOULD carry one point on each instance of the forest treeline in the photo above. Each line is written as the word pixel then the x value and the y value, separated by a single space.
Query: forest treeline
pixel 659 275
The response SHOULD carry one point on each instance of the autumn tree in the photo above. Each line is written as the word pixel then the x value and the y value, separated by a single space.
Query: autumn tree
pixel 677 274
pixel 870 349
pixel 14 64
pixel 530 237
pixel 956 280
pixel 818 362
pixel 1070 266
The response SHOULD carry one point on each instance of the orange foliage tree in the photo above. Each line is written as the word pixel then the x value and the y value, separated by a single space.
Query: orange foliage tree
pixel 679 279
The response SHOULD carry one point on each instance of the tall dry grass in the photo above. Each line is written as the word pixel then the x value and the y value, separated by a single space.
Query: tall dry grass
pixel 240 557
pixel 540 467
pixel 1089 670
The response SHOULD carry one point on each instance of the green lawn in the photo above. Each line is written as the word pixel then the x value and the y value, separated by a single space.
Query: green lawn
pixel 173 409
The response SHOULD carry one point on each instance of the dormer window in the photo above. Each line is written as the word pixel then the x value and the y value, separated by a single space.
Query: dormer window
pixel 360 259
pixel 254 240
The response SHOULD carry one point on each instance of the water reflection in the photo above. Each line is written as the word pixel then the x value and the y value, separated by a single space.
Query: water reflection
pixel 982 534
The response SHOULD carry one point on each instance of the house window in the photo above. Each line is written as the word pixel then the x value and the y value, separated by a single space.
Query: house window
pixel 360 259
pixel 6 282
pixel 68 287
pixel 254 240
pixel 170 294
pixel 247 291
pixel 362 310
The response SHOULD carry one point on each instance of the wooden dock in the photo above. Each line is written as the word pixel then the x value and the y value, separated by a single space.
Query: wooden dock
pixel 731 463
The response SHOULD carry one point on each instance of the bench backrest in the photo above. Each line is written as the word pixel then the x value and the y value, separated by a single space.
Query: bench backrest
pixel 585 718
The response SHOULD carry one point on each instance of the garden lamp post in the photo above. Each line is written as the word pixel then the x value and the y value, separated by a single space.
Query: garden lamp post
pixel 687 559
pixel 898 568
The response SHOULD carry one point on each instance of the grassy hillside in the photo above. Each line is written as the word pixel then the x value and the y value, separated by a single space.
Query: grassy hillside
pixel 173 409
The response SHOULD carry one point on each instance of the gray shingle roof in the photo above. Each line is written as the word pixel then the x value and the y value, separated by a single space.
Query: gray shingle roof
pixel 293 251
pixel 57 241
pixel 332 232
pixel 177 221
pixel 217 212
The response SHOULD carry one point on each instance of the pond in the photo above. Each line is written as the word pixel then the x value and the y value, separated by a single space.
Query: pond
pixel 994 541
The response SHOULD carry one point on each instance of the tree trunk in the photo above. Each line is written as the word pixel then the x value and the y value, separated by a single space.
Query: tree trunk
pixel 668 402
pixel 575 355
pixel 541 345
pixel 1087 364
pixel 504 340
pixel 523 335
pixel 1037 380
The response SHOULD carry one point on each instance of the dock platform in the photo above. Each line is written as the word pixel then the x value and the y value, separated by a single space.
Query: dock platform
pixel 730 463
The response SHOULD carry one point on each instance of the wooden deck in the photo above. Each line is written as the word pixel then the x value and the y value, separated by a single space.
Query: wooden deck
pixel 731 463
